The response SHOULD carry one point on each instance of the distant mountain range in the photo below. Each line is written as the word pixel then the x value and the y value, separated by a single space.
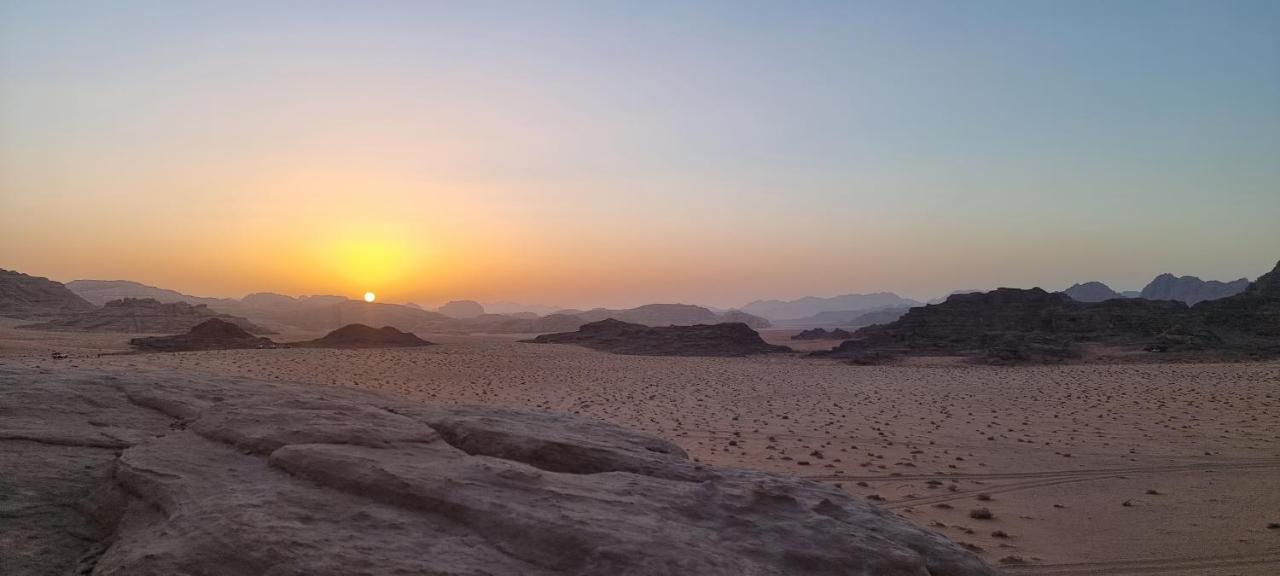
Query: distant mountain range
pixel 812 305
pixel 1186 289
pixel 122 305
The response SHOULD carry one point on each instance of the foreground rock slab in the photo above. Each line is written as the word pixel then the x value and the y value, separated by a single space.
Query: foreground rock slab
pixel 179 473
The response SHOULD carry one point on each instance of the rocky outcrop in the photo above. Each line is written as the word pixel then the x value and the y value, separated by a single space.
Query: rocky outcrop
pixel 1091 292
pixel 361 336
pixel 156 474
pixel 1190 289
pixel 1009 326
pixel 732 339
pixel 212 334
pixel 35 298
pixel 462 309
pixel 144 316
pixel 823 334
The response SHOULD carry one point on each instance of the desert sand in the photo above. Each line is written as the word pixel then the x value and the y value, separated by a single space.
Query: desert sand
pixel 1084 469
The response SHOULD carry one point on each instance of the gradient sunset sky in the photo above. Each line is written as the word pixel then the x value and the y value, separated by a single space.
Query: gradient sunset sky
pixel 600 153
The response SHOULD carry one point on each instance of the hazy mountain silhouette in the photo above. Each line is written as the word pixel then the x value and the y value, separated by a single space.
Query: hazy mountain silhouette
pixel 811 305
pixel 461 309
pixel 1091 292
pixel 1190 289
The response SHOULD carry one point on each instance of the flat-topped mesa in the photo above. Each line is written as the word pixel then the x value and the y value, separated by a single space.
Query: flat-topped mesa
pixel 212 334
pixel 361 336
pixel 618 337
pixel 178 470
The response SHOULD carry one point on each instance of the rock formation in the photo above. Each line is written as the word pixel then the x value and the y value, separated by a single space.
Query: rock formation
pixel 1091 292
pixel 1009 325
pixel 35 298
pixel 823 334
pixel 143 316
pixel 212 334
pixel 100 292
pixel 618 337
pixel 776 310
pixel 150 474
pixel 461 309
pixel 361 336
pixel 1190 289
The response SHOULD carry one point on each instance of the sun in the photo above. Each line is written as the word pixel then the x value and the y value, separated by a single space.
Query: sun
pixel 369 296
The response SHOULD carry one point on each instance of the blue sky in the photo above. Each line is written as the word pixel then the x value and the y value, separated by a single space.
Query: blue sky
pixel 613 153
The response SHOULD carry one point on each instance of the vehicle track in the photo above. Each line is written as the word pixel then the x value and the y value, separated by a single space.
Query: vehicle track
pixel 1194 565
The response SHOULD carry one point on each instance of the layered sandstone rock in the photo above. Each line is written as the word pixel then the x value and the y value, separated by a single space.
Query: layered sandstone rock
pixel 175 473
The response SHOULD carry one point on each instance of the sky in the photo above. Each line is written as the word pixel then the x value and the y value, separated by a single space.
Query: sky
pixel 617 153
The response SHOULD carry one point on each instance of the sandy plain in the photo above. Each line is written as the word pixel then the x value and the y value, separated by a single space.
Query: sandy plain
pixel 1086 469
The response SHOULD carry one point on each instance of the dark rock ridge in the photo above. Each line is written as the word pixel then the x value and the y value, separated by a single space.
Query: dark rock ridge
pixel 143 316
pixel 212 334
pixel 1190 289
pixel 361 336
pixel 1008 325
pixel 150 474
pixel 1091 292
pixel 823 334
pixel 35 298
pixel 618 337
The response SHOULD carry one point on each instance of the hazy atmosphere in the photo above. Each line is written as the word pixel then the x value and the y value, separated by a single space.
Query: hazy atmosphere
pixel 592 153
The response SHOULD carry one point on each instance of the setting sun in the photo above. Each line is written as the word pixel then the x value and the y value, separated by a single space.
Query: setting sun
pixel 369 296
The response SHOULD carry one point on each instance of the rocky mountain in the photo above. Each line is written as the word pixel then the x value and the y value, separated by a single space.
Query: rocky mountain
pixel 618 337
pixel 155 474
pixel 1091 292
pixel 1010 325
pixel 847 318
pixel 361 336
pixel 143 316
pixel 102 291
pixel 669 315
pixel 810 305
pixel 35 298
pixel 1190 289
pixel 212 334
pixel 515 308
pixel 461 309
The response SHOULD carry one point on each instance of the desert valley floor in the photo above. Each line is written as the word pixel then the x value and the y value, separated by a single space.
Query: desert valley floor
pixel 1085 469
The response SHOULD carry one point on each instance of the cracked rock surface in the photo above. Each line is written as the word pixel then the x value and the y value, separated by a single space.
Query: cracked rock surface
pixel 181 473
